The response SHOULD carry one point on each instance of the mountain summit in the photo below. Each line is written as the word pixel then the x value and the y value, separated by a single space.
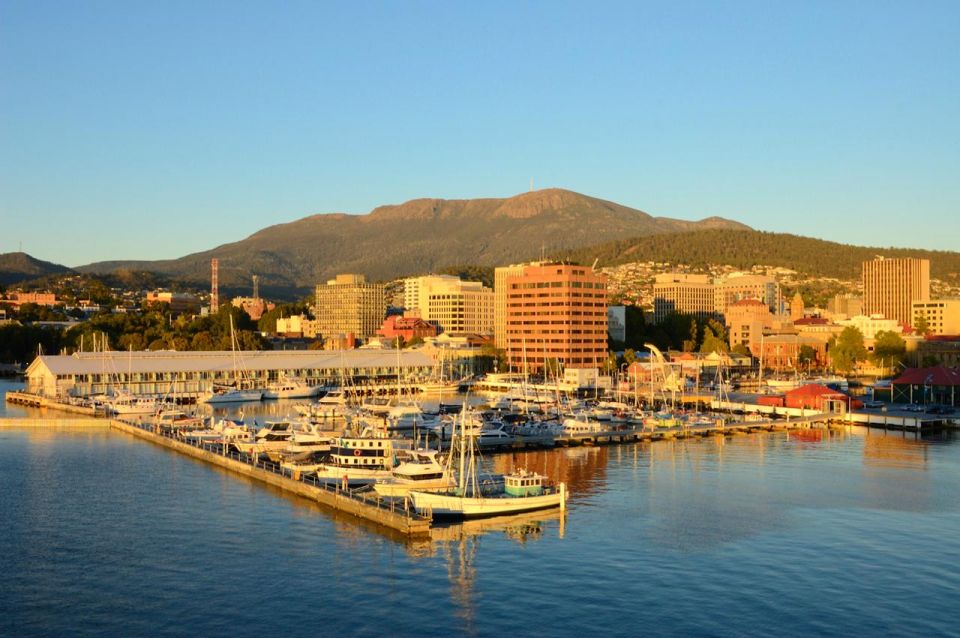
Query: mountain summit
pixel 419 236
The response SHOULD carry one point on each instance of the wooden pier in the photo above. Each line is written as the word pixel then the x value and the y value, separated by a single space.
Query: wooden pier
pixel 36 401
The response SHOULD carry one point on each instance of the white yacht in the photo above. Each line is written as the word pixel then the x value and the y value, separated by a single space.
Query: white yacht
pixel 290 388
pixel 223 431
pixel 361 460
pixel 333 397
pixel 580 425
pixel 230 394
pixel 272 437
pixel 127 403
pixel 417 469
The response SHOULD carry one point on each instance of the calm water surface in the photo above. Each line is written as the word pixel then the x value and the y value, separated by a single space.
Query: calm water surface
pixel 853 533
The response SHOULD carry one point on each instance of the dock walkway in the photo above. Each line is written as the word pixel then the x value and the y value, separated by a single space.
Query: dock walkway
pixel 386 512
pixel 630 434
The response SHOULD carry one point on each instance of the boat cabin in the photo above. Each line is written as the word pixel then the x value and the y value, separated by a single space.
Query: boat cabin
pixel 523 483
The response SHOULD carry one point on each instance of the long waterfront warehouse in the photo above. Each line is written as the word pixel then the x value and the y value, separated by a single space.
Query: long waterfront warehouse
pixel 168 372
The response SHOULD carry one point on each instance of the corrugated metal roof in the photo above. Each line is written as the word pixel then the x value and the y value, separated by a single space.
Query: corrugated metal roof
pixel 936 375
pixel 171 361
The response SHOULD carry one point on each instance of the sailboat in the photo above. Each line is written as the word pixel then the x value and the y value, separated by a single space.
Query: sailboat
pixel 239 390
pixel 521 491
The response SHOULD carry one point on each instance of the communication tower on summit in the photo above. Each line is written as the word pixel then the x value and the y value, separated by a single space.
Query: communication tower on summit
pixel 214 286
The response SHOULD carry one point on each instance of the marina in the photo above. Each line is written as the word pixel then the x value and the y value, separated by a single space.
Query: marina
pixel 337 486
pixel 780 512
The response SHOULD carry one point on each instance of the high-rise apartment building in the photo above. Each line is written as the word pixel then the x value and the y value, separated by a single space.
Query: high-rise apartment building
pixel 457 307
pixel 890 286
pixel 942 316
pixel 556 311
pixel 682 293
pixel 350 305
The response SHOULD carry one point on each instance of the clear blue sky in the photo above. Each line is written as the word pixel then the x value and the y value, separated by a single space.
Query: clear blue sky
pixel 141 129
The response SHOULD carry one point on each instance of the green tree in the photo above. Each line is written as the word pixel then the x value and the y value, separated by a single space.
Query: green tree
pixel 201 341
pixel 742 350
pixel 889 348
pixel 712 342
pixel 610 364
pixel 629 356
pixel 491 358
pixel 847 349
pixel 807 356
pixel 921 326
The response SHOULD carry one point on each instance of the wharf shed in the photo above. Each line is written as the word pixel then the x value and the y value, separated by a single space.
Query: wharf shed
pixel 170 372
pixel 934 385
pixel 813 396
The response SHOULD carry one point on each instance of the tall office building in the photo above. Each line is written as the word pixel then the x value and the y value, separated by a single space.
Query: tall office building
pixel 457 307
pixel 890 286
pixel 500 275
pixel 556 311
pixel 350 305
pixel 682 293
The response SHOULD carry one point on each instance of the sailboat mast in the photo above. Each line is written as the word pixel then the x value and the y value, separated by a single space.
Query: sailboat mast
pixel 462 477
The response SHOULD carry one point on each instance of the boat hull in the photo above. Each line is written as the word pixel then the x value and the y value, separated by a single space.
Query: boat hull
pixel 452 506
pixel 235 396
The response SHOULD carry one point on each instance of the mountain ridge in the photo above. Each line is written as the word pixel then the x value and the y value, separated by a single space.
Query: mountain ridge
pixel 19 266
pixel 416 236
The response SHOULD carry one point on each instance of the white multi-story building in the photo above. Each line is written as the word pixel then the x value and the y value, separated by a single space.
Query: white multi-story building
pixel 869 326
pixel 456 306
pixel 682 293
pixel 739 286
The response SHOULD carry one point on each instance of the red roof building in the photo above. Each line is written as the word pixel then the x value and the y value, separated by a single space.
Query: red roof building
pixel 819 397
pixel 407 327
pixel 935 385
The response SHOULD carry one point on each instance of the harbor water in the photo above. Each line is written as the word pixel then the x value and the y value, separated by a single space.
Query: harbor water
pixel 840 533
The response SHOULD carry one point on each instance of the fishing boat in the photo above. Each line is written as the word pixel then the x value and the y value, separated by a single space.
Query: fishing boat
pixel 521 491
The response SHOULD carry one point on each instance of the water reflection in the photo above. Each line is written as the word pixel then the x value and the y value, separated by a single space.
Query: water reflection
pixel 895 450
pixel 459 544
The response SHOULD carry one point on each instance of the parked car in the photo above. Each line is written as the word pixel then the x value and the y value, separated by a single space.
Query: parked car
pixel 873 404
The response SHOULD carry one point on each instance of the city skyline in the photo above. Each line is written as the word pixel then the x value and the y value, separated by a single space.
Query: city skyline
pixel 203 124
